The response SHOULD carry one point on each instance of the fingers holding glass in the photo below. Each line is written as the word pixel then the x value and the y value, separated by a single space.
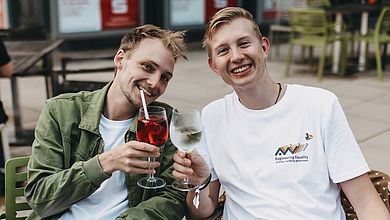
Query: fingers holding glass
pixel 194 168
pixel 185 131
pixel 127 157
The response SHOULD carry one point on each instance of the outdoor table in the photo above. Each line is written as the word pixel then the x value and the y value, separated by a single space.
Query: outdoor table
pixel 24 56
pixel 352 8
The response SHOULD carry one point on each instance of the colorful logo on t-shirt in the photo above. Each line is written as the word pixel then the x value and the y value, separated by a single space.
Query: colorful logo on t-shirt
pixel 293 153
pixel 291 149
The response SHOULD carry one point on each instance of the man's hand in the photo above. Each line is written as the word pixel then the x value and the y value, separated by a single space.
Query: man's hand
pixel 195 167
pixel 128 157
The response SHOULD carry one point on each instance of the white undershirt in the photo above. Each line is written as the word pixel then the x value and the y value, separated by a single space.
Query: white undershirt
pixel 110 199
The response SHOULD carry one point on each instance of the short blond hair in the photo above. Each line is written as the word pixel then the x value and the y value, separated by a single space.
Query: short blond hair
pixel 172 40
pixel 223 16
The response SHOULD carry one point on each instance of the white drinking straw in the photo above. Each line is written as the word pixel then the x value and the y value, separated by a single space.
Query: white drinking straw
pixel 144 104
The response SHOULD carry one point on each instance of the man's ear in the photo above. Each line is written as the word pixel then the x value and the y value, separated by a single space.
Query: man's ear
pixel 265 45
pixel 118 59
pixel 212 66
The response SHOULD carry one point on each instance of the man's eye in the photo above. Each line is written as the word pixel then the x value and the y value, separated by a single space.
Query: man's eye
pixel 165 78
pixel 148 67
pixel 244 44
pixel 222 51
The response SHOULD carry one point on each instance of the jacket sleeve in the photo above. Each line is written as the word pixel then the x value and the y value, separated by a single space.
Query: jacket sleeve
pixel 52 186
pixel 166 203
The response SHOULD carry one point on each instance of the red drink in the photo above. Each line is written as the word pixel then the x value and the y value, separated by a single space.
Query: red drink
pixel 153 131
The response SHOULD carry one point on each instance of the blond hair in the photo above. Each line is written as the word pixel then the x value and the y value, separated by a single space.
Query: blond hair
pixel 224 16
pixel 172 40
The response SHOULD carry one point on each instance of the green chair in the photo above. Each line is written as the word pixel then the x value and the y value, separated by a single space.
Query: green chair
pixel 380 35
pixel 14 188
pixel 310 27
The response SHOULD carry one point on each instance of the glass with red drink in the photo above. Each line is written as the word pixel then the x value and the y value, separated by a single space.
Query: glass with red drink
pixel 153 130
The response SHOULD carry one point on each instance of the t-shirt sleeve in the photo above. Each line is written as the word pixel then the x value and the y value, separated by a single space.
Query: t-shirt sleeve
pixel 4 57
pixel 344 158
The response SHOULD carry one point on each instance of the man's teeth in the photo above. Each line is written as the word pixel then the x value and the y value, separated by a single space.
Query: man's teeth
pixel 145 91
pixel 241 69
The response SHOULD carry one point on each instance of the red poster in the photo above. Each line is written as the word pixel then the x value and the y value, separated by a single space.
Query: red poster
pixel 3 14
pixel 212 6
pixel 119 13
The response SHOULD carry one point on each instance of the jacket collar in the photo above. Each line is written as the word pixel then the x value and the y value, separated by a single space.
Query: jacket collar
pixel 91 119
pixel 133 126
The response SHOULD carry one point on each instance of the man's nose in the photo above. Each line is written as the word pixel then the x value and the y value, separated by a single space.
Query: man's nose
pixel 236 55
pixel 153 79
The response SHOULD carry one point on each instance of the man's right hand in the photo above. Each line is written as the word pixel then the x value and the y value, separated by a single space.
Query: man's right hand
pixel 195 167
pixel 129 157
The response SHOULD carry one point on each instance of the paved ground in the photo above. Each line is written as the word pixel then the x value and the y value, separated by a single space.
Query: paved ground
pixel 365 100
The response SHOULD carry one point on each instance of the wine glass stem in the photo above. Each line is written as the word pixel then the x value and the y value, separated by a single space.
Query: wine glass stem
pixel 151 175
pixel 186 180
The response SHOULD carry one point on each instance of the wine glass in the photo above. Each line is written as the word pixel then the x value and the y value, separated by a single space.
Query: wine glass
pixel 152 129
pixel 185 131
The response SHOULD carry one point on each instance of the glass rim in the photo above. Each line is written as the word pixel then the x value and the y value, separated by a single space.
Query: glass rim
pixel 153 108
pixel 186 110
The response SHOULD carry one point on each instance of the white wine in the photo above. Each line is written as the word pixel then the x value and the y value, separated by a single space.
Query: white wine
pixel 185 131
pixel 185 138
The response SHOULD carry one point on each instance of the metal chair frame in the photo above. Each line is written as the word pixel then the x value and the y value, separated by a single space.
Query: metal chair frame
pixel 310 27
pixel 380 36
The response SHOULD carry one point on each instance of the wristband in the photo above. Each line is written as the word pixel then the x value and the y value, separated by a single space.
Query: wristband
pixel 206 183
pixel 195 200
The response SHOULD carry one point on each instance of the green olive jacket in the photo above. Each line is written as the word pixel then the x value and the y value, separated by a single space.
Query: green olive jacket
pixel 64 168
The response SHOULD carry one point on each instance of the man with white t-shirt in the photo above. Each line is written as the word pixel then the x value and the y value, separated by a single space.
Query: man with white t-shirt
pixel 85 159
pixel 279 151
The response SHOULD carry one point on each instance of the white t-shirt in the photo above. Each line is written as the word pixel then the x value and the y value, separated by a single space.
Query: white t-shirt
pixel 282 162
pixel 110 199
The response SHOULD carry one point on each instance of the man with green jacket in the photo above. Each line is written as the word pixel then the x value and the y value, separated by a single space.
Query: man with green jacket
pixel 85 158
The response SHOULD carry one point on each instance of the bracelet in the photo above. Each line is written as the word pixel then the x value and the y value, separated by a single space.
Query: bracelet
pixel 206 183
pixel 195 200
pixel 101 168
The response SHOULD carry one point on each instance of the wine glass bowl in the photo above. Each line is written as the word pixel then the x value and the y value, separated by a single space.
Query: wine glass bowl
pixel 152 129
pixel 185 131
